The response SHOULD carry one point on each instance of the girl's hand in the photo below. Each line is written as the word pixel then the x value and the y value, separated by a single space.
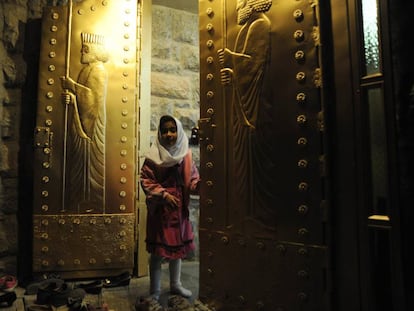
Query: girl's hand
pixel 172 200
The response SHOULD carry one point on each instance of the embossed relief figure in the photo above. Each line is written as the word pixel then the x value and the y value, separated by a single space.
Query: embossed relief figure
pixel 244 69
pixel 85 102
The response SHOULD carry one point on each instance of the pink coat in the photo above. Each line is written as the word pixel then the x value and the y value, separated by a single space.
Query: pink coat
pixel 169 232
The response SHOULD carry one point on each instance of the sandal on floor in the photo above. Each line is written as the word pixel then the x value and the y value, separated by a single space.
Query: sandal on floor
pixel 179 303
pixel 148 304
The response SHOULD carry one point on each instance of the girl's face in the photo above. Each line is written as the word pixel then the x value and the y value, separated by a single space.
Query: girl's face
pixel 168 132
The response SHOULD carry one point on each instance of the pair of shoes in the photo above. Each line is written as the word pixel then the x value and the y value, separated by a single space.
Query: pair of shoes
pixel 57 295
pixel 8 283
pixel 178 302
pixel 94 287
pixel 33 288
pixel 148 304
pixel 122 279
pixel 7 299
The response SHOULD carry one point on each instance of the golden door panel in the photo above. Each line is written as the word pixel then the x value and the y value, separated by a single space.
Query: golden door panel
pixel 262 215
pixel 84 165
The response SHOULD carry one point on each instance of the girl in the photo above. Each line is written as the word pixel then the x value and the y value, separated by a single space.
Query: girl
pixel 168 176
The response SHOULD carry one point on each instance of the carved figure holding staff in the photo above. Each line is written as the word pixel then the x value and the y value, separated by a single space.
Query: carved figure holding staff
pixel 86 123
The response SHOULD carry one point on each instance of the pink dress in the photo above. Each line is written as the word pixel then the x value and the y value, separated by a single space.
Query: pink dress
pixel 169 232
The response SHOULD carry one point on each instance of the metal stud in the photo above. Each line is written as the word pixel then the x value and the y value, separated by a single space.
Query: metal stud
pixel 260 245
pixel 303 186
pixel 300 55
pixel 301 119
pixel 301 97
pixel 302 141
pixel 300 76
pixel 298 35
pixel 303 209
pixel 298 15
pixel 303 231
pixel 302 163
pixel 302 251
pixel 225 240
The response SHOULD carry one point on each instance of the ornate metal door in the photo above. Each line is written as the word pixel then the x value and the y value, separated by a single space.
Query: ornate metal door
pixel 263 237
pixel 84 163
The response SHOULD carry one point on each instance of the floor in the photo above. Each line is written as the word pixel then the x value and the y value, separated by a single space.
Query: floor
pixel 123 298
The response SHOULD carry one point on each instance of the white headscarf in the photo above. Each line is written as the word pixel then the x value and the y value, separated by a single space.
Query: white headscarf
pixel 169 156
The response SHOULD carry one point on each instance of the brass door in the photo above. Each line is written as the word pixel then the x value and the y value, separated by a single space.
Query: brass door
pixel 263 237
pixel 84 140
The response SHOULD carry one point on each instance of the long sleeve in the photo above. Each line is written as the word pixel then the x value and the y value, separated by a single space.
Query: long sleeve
pixel 150 185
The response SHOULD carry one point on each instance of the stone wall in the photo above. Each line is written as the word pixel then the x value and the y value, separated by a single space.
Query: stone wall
pixel 174 91
pixel 14 16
